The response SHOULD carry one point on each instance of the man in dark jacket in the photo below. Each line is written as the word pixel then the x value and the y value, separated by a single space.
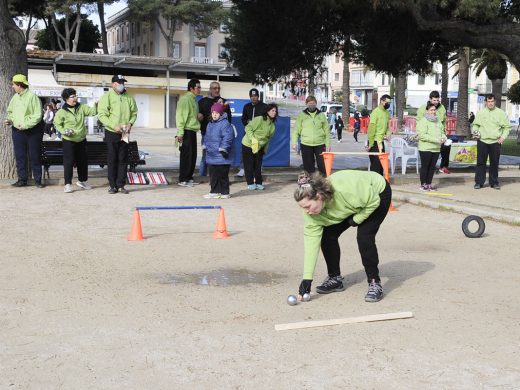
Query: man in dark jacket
pixel 205 109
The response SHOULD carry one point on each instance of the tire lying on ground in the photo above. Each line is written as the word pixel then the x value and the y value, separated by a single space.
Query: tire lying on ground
pixel 479 231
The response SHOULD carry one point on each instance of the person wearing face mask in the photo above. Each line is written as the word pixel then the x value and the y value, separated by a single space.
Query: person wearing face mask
pixel 440 110
pixel 431 136
pixel 332 205
pixel 117 111
pixel 377 131
pixel 312 129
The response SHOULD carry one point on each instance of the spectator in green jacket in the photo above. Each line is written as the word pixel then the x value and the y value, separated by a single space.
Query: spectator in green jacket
pixel 332 205
pixel 117 111
pixel 188 124
pixel 312 129
pixel 258 134
pixel 24 113
pixel 70 122
pixel 492 127
pixel 431 136
pixel 377 131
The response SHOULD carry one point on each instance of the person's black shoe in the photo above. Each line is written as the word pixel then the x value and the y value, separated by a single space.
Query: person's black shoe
pixel 39 184
pixel 19 183
pixel 123 190
pixel 375 292
pixel 112 190
pixel 331 284
pixel 496 186
pixel 477 186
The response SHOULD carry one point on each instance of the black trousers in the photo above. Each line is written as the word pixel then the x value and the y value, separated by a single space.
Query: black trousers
pixel 428 161
pixel 117 161
pixel 483 152
pixel 219 179
pixel 339 130
pixel 312 155
pixel 445 156
pixel 366 239
pixel 24 141
pixel 375 163
pixel 75 153
pixel 188 158
pixel 252 165
pixel 356 132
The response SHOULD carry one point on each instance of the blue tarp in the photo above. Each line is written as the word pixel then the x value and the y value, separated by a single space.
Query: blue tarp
pixel 278 154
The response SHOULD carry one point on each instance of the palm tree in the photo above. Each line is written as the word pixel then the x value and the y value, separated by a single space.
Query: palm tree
pixel 495 65
pixel 462 100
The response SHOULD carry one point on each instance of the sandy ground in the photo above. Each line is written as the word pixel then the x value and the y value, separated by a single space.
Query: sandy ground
pixel 83 308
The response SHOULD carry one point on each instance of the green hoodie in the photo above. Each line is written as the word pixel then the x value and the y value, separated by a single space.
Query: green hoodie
pixel 430 134
pixel 116 109
pixel 25 110
pixel 378 126
pixel 186 114
pixel 262 130
pixel 73 118
pixel 492 125
pixel 355 193
pixel 440 112
pixel 312 128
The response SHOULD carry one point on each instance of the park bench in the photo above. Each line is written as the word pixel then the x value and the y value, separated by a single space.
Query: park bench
pixel 52 154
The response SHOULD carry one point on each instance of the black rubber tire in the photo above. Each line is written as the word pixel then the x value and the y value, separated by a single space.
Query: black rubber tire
pixel 481 226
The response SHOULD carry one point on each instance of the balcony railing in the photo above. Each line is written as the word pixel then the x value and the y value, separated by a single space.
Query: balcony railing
pixel 201 60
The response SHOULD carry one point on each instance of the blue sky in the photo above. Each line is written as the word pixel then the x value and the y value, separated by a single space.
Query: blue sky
pixel 109 11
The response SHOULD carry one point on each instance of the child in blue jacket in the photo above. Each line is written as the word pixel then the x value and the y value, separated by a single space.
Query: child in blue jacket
pixel 218 143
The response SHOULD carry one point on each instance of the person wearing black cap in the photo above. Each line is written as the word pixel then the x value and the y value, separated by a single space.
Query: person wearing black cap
pixel 205 109
pixel 117 111
pixel 249 112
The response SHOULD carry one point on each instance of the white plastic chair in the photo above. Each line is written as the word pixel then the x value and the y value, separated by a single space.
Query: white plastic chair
pixel 401 149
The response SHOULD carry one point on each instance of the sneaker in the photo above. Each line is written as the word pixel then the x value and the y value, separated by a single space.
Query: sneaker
pixel 84 185
pixel 424 187
pixel 184 184
pixel 251 187
pixel 39 184
pixel 477 186
pixel 112 190
pixel 375 292
pixel 439 171
pixel 19 183
pixel 330 285
pixel 260 187
pixel 225 196
pixel 240 173
pixel 193 183
pixel 123 190
pixel 431 187
pixel 445 170
pixel 68 189
pixel 496 186
pixel 211 195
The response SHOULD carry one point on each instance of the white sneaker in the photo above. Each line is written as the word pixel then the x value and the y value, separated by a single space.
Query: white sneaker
pixel 84 185
pixel 225 196
pixel 68 188
pixel 211 195
pixel 184 184
pixel 240 173
pixel 193 183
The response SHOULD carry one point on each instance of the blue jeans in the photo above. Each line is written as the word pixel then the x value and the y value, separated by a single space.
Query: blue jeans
pixel 203 166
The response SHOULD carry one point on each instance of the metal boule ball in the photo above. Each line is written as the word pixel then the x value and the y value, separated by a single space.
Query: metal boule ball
pixel 292 300
pixel 306 297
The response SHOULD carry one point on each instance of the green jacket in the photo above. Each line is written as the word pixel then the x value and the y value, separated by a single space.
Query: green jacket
pixel 378 126
pixel 430 134
pixel 355 193
pixel 116 109
pixel 262 130
pixel 25 110
pixel 186 114
pixel 73 118
pixel 441 114
pixel 492 125
pixel 312 128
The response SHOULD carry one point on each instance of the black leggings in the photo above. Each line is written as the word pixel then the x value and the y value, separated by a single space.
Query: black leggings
pixel 310 154
pixel 366 239
pixel 428 161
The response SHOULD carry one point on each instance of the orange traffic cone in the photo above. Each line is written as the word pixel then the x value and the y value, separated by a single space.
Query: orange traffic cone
pixel 221 230
pixel 328 159
pixel 136 232
pixel 383 158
